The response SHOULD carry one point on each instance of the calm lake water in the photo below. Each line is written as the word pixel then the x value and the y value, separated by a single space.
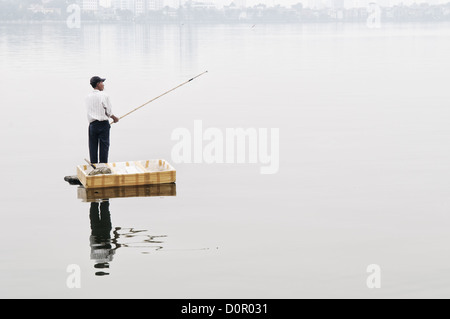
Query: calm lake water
pixel 363 173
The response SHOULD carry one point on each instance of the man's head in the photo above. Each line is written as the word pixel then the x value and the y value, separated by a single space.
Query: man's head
pixel 97 83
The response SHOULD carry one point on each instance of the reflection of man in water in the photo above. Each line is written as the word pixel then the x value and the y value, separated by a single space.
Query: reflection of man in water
pixel 100 239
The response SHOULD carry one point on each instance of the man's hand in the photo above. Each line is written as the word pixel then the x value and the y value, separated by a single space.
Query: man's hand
pixel 115 119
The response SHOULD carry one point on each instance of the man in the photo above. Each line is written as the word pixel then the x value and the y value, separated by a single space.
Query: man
pixel 99 112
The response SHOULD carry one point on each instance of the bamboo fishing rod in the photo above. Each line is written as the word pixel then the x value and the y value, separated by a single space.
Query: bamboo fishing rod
pixel 139 107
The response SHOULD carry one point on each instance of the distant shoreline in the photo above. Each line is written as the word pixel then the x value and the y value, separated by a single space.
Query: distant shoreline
pixel 105 22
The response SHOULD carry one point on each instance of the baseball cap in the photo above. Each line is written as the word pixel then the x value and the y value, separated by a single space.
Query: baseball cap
pixel 95 80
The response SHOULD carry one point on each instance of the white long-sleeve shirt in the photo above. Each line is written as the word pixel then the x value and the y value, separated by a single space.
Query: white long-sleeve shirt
pixel 98 106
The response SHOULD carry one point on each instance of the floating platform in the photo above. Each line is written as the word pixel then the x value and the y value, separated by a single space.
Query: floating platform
pixel 137 173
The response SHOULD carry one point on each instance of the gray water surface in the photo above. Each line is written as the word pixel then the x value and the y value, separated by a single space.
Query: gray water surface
pixel 363 176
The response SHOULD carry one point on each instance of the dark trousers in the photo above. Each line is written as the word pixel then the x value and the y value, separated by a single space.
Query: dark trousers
pixel 99 139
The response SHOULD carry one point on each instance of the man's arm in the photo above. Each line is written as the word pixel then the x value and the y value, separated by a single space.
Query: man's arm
pixel 115 119
pixel 108 109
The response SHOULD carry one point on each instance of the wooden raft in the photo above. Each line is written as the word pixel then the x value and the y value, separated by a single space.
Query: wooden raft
pixel 135 173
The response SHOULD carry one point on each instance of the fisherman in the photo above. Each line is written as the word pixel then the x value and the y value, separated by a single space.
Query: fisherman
pixel 99 111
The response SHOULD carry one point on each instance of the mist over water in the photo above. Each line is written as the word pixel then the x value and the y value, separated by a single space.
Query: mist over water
pixel 363 161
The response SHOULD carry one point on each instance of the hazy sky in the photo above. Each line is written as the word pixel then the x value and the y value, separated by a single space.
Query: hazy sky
pixel 308 3
pixel 347 2
pixel 315 2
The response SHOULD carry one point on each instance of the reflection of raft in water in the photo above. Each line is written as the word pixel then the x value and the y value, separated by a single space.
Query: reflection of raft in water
pixel 136 173
pixel 159 190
